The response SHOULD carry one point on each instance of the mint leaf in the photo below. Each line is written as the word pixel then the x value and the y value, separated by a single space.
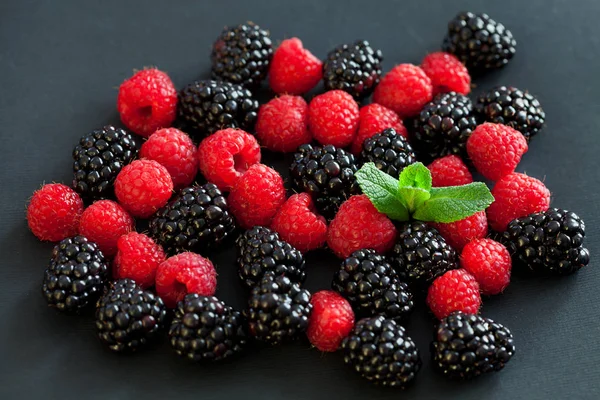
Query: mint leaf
pixel 453 203
pixel 381 189
pixel 415 175
pixel 413 197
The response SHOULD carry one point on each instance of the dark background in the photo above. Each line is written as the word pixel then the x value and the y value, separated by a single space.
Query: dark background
pixel 60 65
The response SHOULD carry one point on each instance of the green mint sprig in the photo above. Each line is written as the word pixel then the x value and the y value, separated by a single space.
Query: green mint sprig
pixel 413 196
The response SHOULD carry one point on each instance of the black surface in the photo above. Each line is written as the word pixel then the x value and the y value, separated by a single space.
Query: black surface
pixel 60 65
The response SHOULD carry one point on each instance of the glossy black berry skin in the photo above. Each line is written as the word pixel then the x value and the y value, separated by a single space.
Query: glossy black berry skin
pixel 466 346
pixel 75 275
pixel 380 350
pixel 547 243
pixel 390 152
pixel 242 55
pixel 206 329
pixel 98 158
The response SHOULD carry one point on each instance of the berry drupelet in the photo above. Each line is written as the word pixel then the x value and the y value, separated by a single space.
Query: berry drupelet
pixel 390 152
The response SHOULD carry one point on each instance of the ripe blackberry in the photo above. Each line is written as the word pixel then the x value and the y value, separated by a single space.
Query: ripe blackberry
pixel 372 286
pixel 205 328
pixel 260 251
pixel 129 318
pixel 380 350
pixel 98 159
pixel 513 107
pixel 549 242
pixel 327 174
pixel 278 310
pixel 354 68
pixel 421 254
pixel 75 276
pixel 479 42
pixel 242 55
pixel 197 218
pixel 208 106
pixel 444 126
pixel 390 152
pixel 467 345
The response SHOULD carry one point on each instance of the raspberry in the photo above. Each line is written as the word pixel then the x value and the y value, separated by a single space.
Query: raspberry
pixel 516 195
pixel 147 101
pixel 256 196
pixel 447 73
pixel 282 124
pixel 104 222
pixel 489 262
pixel 449 171
pixel 459 233
pixel 374 118
pixel 143 187
pixel 331 320
pixel 298 223
pixel 358 225
pixel 496 149
pixel 53 212
pixel 182 274
pixel 138 257
pixel 294 70
pixel 174 150
pixel 333 118
pixel 224 156
pixel 456 290
pixel 405 89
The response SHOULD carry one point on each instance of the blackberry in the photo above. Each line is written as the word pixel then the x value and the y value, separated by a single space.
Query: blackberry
pixel 513 107
pixel 128 317
pixel 390 152
pixel 98 159
pixel 479 42
pixel 242 55
pixel 205 328
pixel 198 218
pixel 75 276
pixel 260 251
pixel 443 126
pixel 380 350
pixel 421 254
pixel 467 345
pixel 278 310
pixel 549 242
pixel 372 286
pixel 208 106
pixel 327 174
pixel 354 68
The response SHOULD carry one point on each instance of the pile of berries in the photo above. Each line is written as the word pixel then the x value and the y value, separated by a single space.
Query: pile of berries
pixel 202 185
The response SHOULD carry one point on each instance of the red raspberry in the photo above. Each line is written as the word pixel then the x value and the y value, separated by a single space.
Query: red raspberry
pixel 374 118
pixel 294 70
pixel 449 171
pixel 456 290
pixel 405 89
pixel 358 225
pixel 224 156
pixel 256 196
pixel 298 223
pixel 147 101
pixel 516 195
pixel 333 118
pixel 331 320
pixel 143 187
pixel 53 212
pixel 104 222
pixel 282 124
pixel 175 151
pixel 138 257
pixel 459 233
pixel 182 274
pixel 447 73
pixel 489 262
pixel 496 149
